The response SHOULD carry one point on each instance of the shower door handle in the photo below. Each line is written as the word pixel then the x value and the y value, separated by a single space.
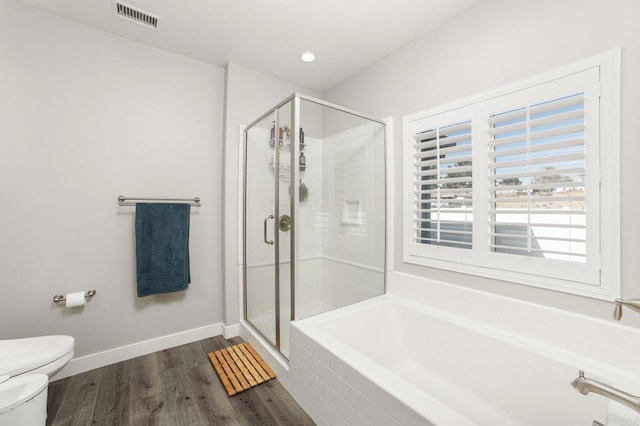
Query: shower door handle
pixel 266 219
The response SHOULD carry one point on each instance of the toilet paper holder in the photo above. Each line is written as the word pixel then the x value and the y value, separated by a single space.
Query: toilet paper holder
pixel 61 297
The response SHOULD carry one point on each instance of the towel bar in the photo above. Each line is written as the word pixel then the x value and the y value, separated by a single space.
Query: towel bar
pixel 131 201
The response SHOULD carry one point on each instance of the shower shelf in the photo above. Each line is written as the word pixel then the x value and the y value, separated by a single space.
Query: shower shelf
pixel 285 170
pixel 283 166
pixel 286 146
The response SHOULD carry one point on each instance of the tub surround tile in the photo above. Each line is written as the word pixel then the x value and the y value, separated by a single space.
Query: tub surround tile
pixel 332 416
pixel 352 415
pixel 334 381
pixel 323 357
pixel 334 393
pixel 323 391
pixel 374 415
pixel 334 363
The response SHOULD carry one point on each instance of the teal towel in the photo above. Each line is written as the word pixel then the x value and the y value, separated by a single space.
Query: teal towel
pixel 162 248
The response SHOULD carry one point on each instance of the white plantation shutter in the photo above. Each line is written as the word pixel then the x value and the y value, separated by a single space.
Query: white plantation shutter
pixel 520 184
pixel 443 186
pixel 537 203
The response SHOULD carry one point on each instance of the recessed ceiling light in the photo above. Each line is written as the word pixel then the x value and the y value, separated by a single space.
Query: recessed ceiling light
pixel 308 57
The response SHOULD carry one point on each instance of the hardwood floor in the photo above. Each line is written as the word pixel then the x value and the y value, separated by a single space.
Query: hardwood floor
pixel 177 386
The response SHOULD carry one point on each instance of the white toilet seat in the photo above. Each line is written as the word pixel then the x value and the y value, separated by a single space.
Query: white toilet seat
pixel 44 354
pixel 19 390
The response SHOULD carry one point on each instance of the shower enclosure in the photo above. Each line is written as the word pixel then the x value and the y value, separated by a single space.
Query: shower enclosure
pixel 314 213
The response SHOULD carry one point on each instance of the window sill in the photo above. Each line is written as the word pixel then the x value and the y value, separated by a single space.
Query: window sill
pixel 602 292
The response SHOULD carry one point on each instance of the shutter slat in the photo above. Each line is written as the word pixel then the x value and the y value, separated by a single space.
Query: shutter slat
pixel 540 173
pixel 539 225
pixel 557 118
pixel 537 212
pixel 509 128
pixel 543 238
pixel 444 151
pixel 445 191
pixel 538 122
pixel 431 144
pixel 535 199
pixel 446 160
pixel 543 134
pixel 538 160
pixel 539 109
pixel 507 116
pixel 443 170
pixel 441 182
pixel 445 130
pixel 442 221
pixel 463 243
pixel 534 250
pixel 538 147
pixel 444 210
pixel 537 186
pixel 569 101
pixel 443 231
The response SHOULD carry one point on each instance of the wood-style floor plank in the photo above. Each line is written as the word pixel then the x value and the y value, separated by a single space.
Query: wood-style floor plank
pixel 249 404
pixel 79 411
pixel 278 402
pixel 151 410
pixel 213 402
pixel 179 397
pixel 144 377
pixel 174 387
pixel 112 405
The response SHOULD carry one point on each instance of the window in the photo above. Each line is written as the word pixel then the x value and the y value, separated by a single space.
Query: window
pixel 509 185
pixel 537 180
pixel 444 185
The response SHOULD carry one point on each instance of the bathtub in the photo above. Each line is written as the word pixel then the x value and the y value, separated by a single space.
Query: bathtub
pixel 390 360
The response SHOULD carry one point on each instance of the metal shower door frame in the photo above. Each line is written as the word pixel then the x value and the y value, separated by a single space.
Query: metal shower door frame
pixel 294 200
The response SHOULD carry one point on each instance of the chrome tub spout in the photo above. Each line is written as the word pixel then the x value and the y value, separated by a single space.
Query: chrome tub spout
pixel 585 385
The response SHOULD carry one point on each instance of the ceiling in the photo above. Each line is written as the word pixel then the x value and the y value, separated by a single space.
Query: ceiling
pixel 345 35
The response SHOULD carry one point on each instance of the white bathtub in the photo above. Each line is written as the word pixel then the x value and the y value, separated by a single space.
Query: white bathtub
pixel 389 360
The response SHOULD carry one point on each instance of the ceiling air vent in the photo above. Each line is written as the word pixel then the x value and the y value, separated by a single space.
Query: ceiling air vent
pixel 136 15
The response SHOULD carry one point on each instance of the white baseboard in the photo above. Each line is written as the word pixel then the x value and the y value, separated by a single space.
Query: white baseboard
pixel 231 331
pixel 122 353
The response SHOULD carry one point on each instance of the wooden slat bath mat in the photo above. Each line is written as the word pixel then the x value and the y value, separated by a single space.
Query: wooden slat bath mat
pixel 240 368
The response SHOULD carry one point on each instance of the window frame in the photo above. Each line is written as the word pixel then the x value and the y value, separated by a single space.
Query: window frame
pixel 601 273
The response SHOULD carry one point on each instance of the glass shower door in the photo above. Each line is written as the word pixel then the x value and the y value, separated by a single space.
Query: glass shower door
pixel 268 226
pixel 259 216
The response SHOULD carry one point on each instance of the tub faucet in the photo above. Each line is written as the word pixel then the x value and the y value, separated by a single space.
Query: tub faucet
pixel 584 386
pixel 631 303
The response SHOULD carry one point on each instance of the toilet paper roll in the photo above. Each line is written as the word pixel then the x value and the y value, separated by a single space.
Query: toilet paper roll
pixel 73 300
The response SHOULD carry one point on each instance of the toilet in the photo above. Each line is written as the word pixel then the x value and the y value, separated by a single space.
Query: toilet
pixel 44 354
pixel 23 400
pixel 25 368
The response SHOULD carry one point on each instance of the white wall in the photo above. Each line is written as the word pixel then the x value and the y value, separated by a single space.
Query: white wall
pixel 353 178
pixel 86 116
pixel 495 43
pixel 249 94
